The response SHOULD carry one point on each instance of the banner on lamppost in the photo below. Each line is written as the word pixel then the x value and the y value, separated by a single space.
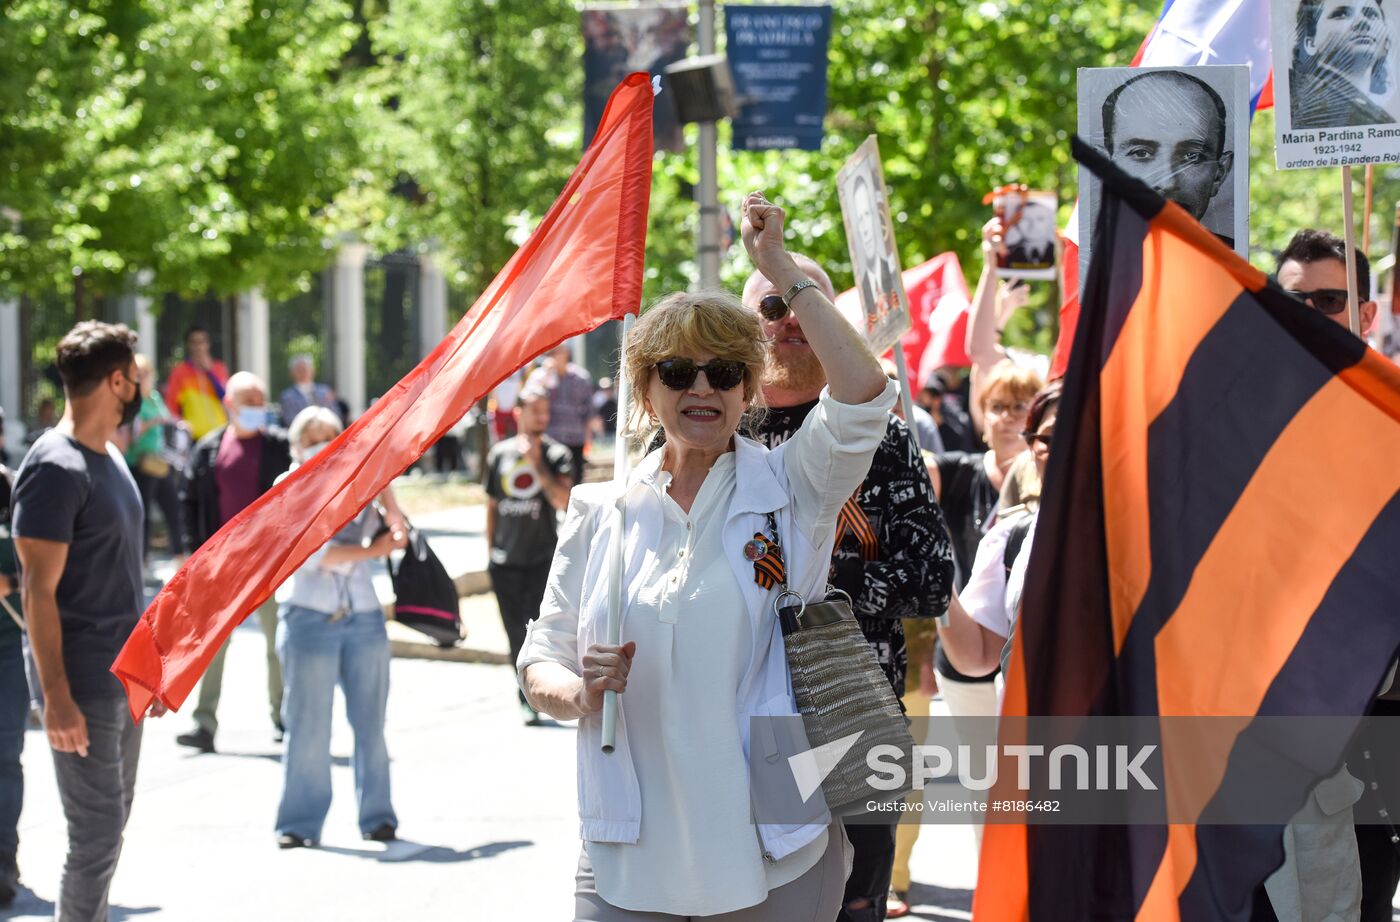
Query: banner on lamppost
pixel 777 55
pixel 619 40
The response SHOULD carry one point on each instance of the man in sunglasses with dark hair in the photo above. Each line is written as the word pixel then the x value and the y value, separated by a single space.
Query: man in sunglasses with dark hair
pixel 1314 268
pixel 892 553
pixel 1322 858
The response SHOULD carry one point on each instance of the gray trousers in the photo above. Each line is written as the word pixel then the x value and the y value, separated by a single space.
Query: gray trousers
pixel 813 897
pixel 206 708
pixel 96 791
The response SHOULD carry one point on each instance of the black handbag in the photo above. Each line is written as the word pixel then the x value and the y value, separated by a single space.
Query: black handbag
pixel 425 597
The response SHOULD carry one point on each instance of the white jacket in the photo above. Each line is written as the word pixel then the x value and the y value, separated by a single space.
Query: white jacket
pixel 804 483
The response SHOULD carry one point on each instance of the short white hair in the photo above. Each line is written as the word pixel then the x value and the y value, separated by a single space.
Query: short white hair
pixel 241 381
pixel 309 417
pixel 301 358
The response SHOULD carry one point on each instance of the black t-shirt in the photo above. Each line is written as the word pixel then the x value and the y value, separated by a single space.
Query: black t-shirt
pixel 526 526
pixel 968 500
pixel 69 493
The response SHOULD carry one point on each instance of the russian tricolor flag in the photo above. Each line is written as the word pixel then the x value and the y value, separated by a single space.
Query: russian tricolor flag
pixel 1188 33
pixel 1192 32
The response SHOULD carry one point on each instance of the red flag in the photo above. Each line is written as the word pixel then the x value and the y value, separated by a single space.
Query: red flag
pixel 940 293
pixel 582 266
pixel 1069 308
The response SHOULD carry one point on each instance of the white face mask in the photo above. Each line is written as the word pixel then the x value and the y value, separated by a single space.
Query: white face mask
pixel 310 451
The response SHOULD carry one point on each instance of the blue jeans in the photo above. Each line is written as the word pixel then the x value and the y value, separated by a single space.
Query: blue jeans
pixel 316 653
pixel 14 715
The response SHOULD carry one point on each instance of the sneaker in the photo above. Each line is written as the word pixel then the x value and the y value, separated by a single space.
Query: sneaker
pixel 382 833
pixel 9 880
pixel 291 840
pixel 279 733
pixel 198 738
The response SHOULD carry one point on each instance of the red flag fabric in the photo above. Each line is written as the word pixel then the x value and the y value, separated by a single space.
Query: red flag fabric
pixel 581 267
pixel 939 300
pixel 1069 307
pixel 938 304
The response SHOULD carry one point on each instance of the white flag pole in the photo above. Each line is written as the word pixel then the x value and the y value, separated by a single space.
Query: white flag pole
pixel 1348 223
pixel 621 468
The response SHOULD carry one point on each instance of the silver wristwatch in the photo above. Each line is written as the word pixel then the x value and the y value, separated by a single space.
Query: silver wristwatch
pixel 792 292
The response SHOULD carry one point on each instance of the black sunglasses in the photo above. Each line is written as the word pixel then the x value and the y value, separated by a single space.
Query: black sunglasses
pixel 679 374
pixel 1324 300
pixel 1033 437
pixel 773 307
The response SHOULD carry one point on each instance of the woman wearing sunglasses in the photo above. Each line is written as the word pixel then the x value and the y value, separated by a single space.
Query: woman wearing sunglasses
pixel 666 819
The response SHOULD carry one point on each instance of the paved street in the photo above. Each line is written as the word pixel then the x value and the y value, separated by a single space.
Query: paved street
pixel 486 810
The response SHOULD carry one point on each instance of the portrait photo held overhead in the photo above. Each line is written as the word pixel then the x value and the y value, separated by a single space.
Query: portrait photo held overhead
pixel 884 310
pixel 1182 130
pixel 1028 221
pixel 1335 92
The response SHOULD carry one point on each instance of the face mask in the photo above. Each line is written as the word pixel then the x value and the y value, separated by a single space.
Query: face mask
pixel 131 408
pixel 311 451
pixel 251 419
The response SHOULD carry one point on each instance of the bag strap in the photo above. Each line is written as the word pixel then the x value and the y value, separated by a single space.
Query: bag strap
pixel 1014 542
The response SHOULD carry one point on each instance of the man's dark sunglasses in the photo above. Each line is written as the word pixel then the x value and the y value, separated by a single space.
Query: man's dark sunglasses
pixel 773 307
pixel 1324 300
pixel 679 374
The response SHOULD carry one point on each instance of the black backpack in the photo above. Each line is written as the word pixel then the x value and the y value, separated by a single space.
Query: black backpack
pixel 425 598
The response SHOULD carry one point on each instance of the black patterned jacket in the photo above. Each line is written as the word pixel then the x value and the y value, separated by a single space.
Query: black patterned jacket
pixel 892 552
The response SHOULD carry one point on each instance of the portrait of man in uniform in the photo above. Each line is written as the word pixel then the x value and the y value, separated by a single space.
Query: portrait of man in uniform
pixel 884 313
pixel 1030 232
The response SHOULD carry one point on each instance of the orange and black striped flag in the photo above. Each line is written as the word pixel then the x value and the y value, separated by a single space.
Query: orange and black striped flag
pixel 1217 537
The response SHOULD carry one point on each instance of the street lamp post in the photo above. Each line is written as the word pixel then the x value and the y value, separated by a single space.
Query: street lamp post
pixel 708 190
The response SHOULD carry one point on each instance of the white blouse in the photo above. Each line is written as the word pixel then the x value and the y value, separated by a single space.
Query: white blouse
pixel 992 597
pixel 692 771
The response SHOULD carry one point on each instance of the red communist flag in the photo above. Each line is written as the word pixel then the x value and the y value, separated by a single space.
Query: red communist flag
pixel 581 267
pixel 938 301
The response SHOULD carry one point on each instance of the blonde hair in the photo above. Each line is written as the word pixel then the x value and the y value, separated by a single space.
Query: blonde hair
pixel 696 323
pixel 1020 382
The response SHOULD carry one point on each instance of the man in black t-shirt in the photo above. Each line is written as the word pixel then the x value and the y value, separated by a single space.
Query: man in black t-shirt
pixel 528 478
pixel 78 531
pixel 892 554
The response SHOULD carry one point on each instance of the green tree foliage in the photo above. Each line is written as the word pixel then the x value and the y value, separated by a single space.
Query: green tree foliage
pixel 479 129
pixel 199 139
pixel 229 143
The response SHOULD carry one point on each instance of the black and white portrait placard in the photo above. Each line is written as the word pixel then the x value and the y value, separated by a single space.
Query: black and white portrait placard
pixel 874 259
pixel 1182 130
pixel 1029 232
pixel 1335 94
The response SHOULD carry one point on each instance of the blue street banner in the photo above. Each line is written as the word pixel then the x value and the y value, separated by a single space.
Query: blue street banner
pixel 777 55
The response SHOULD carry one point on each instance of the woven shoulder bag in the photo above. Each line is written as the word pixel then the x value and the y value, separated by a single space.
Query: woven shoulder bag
pixel 840 691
